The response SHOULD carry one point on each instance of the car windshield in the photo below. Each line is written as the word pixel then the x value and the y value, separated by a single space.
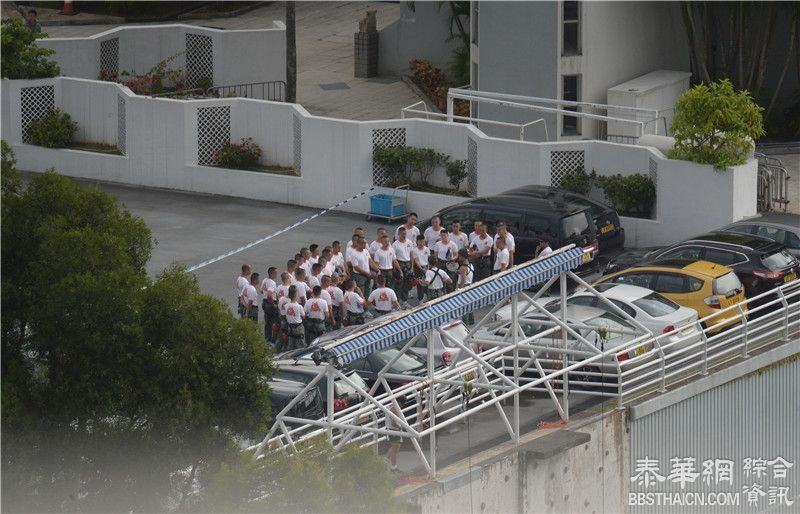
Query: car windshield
pixel 778 260
pixel 656 305
pixel 727 284
pixel 342 388
pixel 406 361
pixel 457 331
pixel 575 225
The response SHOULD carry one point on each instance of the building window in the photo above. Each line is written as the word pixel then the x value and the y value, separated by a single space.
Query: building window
pixel 571 30
pixel 476 11
pixel 570 125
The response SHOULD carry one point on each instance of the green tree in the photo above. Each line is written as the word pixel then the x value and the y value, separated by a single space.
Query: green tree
pixel 714 124
pixel 117 389
pixel 315 479
pixel 10 179
pixel 21 59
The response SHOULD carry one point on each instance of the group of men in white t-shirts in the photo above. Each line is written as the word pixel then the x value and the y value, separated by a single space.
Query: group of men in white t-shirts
pixel 325 288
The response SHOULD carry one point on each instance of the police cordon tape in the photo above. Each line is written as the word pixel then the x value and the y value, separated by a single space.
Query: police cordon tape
pixel 279 232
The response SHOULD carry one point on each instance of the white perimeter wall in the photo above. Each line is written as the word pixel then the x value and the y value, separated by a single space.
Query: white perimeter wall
pixel 336 157
pixel 239 56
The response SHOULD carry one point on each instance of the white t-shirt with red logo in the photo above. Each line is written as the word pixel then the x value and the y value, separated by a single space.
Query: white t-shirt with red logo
pixel 420 256
pixel 282 305
pixel 382 298
pixel 282 291
pixel 483 245
pixel 241 283
pixel 316 308
pixel 447 251
pixel 353 302
pixel 411 233
pixel 325 295
pixel 336 295
pixel 360 260
pixel 432 235
pixel 294 312
pixel 250 294
pixel 402 250
pixel 384 258
pixel 268 288
pixel 337 259
pixel 461 240
pixel 501 258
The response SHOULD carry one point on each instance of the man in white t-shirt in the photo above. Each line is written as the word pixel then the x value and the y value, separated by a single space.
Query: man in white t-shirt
pixel 316 275
pixel 328 268
pixel 459 238
pixel 269 302
pixel 294 321
pixel 240 283
pixel 317 311
pixel 351 245
pixel 411 227
pixel 474 233
pixel 301 285
pixel 480 252
pixel 353 301
pixel 502 231
pixel 314 253
pixel 543 248
pixel 419 264
pixel 373 246
pixel 337 258
pixel 250 298
pixel 386 259
pixel 358 232
pixel 382 298
pixel 363 265
pixel 402 250
pixel 434 232
pixel 326 295
pixel 446 251
pixel 436 279
pixel 501 258
pixel 337 295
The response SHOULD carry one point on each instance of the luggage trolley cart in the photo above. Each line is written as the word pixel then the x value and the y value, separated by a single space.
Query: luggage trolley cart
pixel 389 207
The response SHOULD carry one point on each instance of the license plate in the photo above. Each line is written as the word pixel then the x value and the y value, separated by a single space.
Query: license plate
pixel 587 257
pixel 640 350
pixel 789 277
pixel 727 302
pixel 469 376
pixel 606 229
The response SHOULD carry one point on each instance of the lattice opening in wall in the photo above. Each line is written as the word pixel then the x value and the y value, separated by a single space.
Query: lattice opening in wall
pixel 35 103
pixel 298 141
pixel 199 59
pixel 653 169
pixel 213 130
pixel 121 128
pixel 472 167
pixel 385 138
pixel 109 58
pixel 563 163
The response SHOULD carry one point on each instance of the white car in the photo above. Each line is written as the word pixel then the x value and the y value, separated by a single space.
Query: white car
pixel 654 311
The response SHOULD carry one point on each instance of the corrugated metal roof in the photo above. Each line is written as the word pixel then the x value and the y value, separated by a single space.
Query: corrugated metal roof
pixel 455 305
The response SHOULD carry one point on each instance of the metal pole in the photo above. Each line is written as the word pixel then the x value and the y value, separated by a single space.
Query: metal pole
pixel 785 318
pixel 430 402
pixel 449 115
pixel 515 325
pixel 744 330
pixel 330 402
pixel 565 390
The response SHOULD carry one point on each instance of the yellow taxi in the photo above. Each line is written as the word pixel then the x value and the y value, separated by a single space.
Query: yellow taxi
pixel 702 285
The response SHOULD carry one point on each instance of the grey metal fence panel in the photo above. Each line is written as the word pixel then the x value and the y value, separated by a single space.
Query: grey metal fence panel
pixel 752 422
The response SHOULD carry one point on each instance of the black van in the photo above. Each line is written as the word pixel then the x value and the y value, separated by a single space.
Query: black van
pixel 528 219
pixel 610 233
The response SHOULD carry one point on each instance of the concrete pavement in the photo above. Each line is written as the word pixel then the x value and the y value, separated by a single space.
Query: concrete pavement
pixel 325 64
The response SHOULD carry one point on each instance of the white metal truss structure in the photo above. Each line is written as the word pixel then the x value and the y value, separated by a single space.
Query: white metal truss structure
pixel 491 370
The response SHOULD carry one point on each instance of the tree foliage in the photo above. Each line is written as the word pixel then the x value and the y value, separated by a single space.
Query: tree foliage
pixel 21 59
pixel 113 383
pixel 315 479
pixel 715 125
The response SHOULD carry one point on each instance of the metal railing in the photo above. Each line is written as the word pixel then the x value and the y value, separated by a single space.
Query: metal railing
pixel 274 90
pixel 498 370
pixel 773 184
pixel 183 92
pixel 411 109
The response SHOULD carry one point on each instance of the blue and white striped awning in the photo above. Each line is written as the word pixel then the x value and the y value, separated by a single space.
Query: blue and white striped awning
pixel 454 305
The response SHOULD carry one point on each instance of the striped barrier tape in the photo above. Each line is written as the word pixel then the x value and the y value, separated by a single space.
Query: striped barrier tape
pixel 279 232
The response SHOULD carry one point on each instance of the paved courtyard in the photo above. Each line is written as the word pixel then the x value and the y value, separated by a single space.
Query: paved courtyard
pixel 325 82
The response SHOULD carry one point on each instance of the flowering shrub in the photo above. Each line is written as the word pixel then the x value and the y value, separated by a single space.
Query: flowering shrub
pixel 156 80
pixel 435 83
pixel 238 156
